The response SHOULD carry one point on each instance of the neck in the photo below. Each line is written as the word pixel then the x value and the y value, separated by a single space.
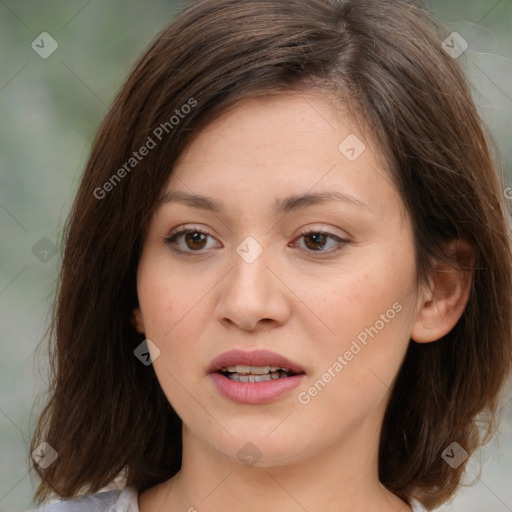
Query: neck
pixel 341 478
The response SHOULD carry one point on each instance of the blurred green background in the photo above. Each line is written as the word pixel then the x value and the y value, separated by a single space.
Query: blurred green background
pixel 50 110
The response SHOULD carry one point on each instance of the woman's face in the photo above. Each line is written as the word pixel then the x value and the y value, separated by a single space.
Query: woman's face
pixel 328 284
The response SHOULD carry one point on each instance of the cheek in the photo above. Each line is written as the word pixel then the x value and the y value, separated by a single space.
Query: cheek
pixel 171 307
pixel 357 295
pixel 165 295
pixel 369 309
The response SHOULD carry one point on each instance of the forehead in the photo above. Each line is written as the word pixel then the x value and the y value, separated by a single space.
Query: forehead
pixel 266 148
pixel 273 128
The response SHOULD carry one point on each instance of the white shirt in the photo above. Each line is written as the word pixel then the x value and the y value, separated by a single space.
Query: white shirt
pixel 115 500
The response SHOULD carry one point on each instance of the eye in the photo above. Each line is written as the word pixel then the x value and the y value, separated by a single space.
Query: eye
pixel 316 239
pixel 194 239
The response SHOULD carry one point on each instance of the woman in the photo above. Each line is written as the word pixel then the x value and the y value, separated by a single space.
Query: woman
pixel 286 282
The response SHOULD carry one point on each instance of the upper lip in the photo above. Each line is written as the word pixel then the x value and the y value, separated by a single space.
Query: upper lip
pixel 253 358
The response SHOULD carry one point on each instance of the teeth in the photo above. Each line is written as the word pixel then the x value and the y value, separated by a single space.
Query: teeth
pixel 246 373
pixel 255 378
pixel 260 370
pixel 254 370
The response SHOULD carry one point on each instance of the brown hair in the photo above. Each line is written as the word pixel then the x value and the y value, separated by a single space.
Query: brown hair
pixel 106 413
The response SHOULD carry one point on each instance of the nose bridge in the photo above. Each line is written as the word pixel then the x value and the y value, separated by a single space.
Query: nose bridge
pixel 252 292
pixel 250 275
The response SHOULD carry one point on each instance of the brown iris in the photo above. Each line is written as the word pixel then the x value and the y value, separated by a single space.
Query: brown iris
pixel 195 240
pixel 315 241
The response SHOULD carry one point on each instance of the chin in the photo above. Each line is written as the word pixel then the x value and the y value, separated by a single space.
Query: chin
pixel 254 447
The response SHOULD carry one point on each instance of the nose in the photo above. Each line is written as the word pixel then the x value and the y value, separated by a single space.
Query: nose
pixel 254 294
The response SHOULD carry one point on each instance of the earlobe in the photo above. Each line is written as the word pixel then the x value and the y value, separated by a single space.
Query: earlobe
pixel 444 301
pixel 137 321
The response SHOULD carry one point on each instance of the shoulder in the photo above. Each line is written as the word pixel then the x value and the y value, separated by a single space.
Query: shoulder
pixel 115 500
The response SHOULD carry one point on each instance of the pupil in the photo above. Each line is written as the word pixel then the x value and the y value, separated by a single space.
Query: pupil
pixel 320 239
pixel 193 238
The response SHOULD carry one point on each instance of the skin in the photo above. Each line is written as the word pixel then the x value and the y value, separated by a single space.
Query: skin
pixel 307 305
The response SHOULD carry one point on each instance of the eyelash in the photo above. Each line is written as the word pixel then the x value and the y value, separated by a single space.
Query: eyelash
pixel 170 240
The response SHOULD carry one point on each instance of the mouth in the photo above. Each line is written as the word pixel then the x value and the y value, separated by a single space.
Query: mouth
pixel 244 373
pixel 254 366
pixel 255 377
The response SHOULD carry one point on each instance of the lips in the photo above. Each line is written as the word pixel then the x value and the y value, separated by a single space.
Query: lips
pixel 253 358
pixel 264 376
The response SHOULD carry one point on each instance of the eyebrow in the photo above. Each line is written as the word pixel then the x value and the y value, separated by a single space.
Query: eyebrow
pixel 287 204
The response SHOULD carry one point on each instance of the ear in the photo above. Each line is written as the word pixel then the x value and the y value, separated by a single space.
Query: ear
pixel 443 300
pixel 137 320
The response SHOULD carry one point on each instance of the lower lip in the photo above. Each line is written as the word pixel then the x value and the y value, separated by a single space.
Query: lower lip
pixel 255 392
